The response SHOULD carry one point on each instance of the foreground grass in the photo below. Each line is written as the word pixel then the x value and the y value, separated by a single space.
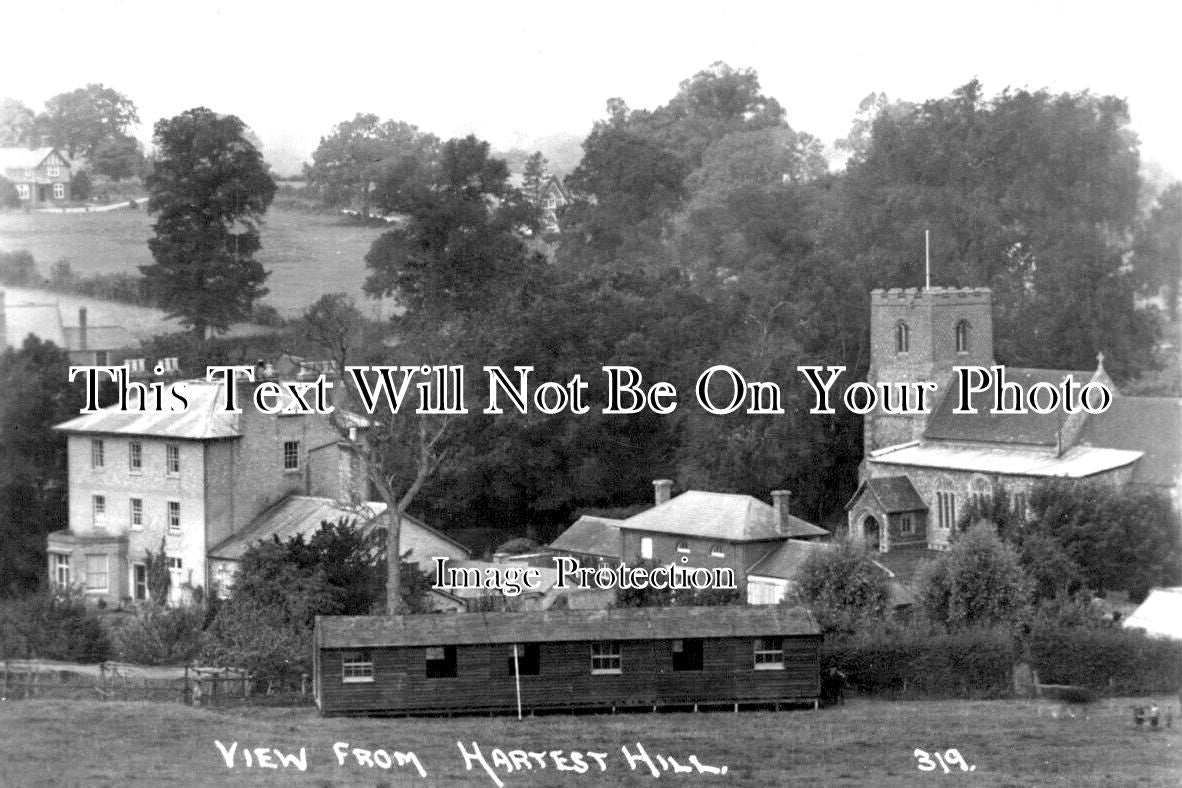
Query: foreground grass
pixel 866 743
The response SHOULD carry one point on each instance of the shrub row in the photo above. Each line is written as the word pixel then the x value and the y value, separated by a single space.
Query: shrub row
pixel 1111 660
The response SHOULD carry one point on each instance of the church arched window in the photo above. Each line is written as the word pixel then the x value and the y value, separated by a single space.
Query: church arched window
pixel 945 503
pixel 962 337
pixel 902 337
pixel 981 490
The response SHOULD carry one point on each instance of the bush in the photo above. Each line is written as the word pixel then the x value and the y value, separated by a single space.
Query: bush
pixel 1111 660
pixel 19 269
pixel 979 582
pixel 80 186
pixel 918 662
pixel 158 636
pixel 52 626
pixel 843 587
pixel 8 196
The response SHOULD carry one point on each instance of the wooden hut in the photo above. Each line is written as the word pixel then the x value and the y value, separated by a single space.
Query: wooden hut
pixel 566 659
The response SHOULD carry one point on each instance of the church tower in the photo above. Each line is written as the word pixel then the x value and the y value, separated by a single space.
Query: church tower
pixel 920 334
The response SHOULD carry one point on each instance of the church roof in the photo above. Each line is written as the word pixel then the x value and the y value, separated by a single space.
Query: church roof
pixel 1150 425
pixel 894 493
pixel 984 427
pixel 1078 462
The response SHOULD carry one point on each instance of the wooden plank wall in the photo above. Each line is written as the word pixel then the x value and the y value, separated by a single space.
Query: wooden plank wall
pixel 484 678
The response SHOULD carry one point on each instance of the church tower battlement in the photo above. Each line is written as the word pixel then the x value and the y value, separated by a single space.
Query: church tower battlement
pixel 920 334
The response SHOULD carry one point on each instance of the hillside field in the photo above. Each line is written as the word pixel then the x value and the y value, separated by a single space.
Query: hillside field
pixel 865 743
pixel 308 254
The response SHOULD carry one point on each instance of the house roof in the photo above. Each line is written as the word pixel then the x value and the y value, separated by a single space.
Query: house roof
pixel 592 536
pixel 895 494
pixel 723 516
pixel 302 515
pixel 986 427
pixel 25 158
pixel 637 623
pixel 1150 425
pixel 1078 462
pixel 203 419
pixel 1160 615
pixel 100 338
pixel 42 320
pixel 786 560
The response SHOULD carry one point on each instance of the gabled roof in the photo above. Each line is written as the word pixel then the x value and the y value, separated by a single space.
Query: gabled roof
pixel 894 494
pixel 302 515
pixel 636 623
pixel 786 560
pixel 203 419
pixel 723 516
pixel 1028 428
pixel 1150 425
pixel 1160 615
pixel 1078 462
pixel 592 536
pixel 26 158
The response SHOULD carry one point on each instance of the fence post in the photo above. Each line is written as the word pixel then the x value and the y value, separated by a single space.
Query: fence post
pixel 186 694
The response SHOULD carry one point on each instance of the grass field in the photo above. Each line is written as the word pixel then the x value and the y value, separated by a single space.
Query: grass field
pixel 865 743
pixel 308 254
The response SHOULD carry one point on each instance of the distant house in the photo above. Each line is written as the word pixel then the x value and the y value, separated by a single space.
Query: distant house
pixel 302 515
pixel 593 541
pixel 83 342
pixel 566 660
pixel 41 175
pixel 551 198
pixel 776 576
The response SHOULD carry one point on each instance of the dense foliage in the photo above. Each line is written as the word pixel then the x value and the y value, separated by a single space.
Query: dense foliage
pixel 978 582
pixel 52 626
pixel 843 587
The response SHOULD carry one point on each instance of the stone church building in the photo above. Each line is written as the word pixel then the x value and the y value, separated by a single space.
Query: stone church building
pixel 920 469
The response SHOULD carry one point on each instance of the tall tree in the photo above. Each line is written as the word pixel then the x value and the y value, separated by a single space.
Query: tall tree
pixel 367 161
pixel 17 124
pixel 81 119
pixel 209 190
pixel 1157 247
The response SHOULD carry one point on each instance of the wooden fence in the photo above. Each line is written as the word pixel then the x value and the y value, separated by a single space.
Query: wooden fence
pixel 21 679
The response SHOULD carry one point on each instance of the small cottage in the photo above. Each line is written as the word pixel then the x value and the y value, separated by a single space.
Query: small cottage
pixel 41 176
pixel 566 660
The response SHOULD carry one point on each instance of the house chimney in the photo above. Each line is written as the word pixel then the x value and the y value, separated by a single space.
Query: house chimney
pixel 662 488
pixel 780 501
pixel 82 328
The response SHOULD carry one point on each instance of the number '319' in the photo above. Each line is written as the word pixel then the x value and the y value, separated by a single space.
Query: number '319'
pixel 942 760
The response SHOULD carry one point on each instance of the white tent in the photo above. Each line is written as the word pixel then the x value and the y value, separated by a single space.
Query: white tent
pixel 1160 615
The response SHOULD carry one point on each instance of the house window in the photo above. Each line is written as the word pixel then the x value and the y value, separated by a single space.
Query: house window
pixel 291 455
pixel 175 564
pixel 769 653
pixel 22 191
pixel 172 459
pixel 356 667
pixel 135 456
pixel 605 658
pixel 441 662
pixel 139 582
pixel 96 454
pixel 59 191
pixel 962 337
pixel 96 573
pixel 646 547
pixel 136 519
pixel 683 547
pixel 945 504
pixel 61 570
pixel 174 516
pixel 53 170
pixel 99 504
pixel 902 338
pixel 906 526
pixel 687 654
pixel 529 659
pixel 716 551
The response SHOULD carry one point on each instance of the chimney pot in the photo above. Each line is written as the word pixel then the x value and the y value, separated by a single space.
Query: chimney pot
pixel 780 502
pixel 662 488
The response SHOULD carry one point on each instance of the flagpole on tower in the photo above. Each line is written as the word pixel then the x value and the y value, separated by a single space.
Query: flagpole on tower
pixel 927 259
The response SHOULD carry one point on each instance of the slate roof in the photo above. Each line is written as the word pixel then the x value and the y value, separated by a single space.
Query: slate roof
pixel 302 515
pixel 644 623
pixel 42 320
pixel 786 560
pixel 1078 462
pixel 1150 425
pixel 100 338
pixel 1028 428
pixel 592 536
pixel 203 419
pixel 721 516
pixel 25 158
pixel 895 494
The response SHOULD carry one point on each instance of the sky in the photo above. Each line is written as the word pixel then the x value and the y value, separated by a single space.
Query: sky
pixel 512 72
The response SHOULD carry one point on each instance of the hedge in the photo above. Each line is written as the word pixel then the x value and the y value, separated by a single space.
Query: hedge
pixel 1111 660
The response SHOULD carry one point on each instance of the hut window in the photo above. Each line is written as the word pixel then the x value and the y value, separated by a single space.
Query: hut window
pixel 716 551
pixel 356 667
pixel 769 653
pixel 529 659
pixel 683 547
pixel 441 662
pixel 605 658
pixel 687 654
